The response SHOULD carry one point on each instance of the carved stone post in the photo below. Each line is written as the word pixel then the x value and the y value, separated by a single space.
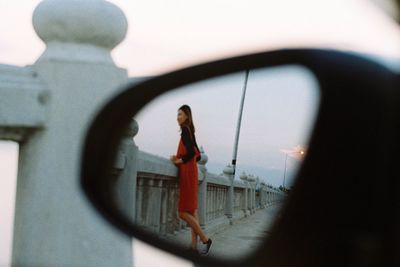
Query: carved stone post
pixel 262 195
pixel 54 223
pixel 127 180
pixel 202 196
pixel 251 180
pixel 243 177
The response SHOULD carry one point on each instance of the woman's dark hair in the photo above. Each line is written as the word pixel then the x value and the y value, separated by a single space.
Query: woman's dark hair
pixel 189 121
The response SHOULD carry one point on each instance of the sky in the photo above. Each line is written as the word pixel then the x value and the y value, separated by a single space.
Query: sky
pixel 165 35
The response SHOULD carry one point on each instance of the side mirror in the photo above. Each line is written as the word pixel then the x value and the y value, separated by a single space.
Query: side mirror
pixel 246 196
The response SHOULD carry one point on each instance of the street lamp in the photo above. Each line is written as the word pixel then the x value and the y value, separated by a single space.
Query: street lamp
pixel 296 152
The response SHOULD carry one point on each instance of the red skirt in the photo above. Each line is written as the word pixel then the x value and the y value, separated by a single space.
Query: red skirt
pixel 188 180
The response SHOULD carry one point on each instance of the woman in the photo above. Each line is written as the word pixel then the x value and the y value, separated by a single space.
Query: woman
pixel 186 160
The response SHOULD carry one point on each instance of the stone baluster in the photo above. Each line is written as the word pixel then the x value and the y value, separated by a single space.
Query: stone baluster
pixel 266 195
pixel 214 202
pixel 157 203
pixel 265 190
pixel 215 206
pixel 272 195
pixel 164 207
pixel 208 201
pixel 217 202
pixel 211 189
pixel 139 202
pixel 173 218
pixel 147 197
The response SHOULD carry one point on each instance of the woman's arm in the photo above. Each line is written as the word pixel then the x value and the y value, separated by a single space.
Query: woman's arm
pixel 189 145
pixel 195 144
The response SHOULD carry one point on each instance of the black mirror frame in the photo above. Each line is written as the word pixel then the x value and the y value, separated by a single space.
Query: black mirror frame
pixel 345 79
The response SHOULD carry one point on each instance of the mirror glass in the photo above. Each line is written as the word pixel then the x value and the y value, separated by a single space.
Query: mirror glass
pixel 230 178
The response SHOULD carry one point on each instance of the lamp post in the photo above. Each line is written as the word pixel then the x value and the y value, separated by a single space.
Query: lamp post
pixel 284 173
pixel 299 151
pixel 230 170
pixel 235 148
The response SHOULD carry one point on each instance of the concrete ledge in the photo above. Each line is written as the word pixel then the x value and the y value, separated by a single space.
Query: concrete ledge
pixel 23 99
pixel 150 163
pixel 15 134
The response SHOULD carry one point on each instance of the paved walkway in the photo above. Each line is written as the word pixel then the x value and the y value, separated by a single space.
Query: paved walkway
pixel 244 235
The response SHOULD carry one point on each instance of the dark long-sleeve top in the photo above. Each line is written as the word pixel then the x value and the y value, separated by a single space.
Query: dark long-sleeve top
pixel 189 145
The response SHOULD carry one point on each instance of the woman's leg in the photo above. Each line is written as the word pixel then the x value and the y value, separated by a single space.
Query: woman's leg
pixel 194 235
pixel 191 220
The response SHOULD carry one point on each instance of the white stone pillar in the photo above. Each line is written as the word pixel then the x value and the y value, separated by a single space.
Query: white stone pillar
pixel 251 180
pixel 269 195
pixel 202 196
pixel 243 177
pixel 262 195
pixel 228 172
pixel 126 181
pixel 54 223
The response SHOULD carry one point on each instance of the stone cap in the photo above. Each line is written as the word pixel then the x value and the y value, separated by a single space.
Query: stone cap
pixel 228 170
pixel 70 26
pixel 132 129
pixel 204 158
pixel 243 176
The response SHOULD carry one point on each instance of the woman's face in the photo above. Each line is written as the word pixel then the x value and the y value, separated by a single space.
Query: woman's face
pixel 181 117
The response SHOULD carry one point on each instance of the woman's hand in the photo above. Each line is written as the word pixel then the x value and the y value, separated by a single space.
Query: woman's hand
pixel 175 159
pixel 178 161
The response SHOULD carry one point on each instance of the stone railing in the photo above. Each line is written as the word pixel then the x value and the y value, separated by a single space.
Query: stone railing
pixel 155 191
pixel 157 194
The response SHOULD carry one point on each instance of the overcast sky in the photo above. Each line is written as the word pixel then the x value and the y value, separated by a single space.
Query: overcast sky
pixel 164 35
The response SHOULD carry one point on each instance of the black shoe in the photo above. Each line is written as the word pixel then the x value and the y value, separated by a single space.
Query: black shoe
pixel 207 248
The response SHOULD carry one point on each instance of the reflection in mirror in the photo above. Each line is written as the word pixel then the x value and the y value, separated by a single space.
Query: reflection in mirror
pixel 226 178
